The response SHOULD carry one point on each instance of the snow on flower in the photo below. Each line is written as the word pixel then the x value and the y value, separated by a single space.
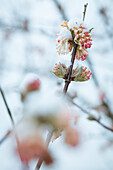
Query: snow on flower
pixel 82 37
pixel 71 136
pixel 63 122
pixel 30 83
pixel 33 147
pixel 62 41
pixel 30 142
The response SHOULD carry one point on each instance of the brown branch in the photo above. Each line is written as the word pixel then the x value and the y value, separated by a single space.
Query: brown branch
pixel 7 107
pixel 5 137
pixel 69 74
pixel 84 13
pixel 49 136
pixel 60 8
pixel 93 118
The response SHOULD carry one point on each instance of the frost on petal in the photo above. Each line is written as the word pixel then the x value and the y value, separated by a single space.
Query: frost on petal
pixel 71 136
pixel 33 147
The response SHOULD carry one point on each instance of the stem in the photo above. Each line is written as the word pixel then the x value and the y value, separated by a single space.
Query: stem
pixel 69 73
pixel 49 136
pixel 7 107
pixel 84 13
pixel 97 120
pixel 5 137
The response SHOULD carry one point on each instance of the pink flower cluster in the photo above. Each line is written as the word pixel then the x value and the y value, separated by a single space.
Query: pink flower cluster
pixel 86 73
pixel 59 70
pixel 84 42
pixel 81 36
pixel 81 74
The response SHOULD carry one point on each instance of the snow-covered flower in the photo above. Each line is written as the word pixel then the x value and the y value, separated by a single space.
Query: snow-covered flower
pixel 30 83
pixel 30 142
pixel 81 74
pixel 63 46
pixel 74 32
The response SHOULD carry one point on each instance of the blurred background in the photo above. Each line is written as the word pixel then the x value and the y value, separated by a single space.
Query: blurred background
pixel 28 44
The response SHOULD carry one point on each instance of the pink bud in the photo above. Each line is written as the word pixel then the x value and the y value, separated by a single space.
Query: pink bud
pixel 77 36
pixel 83 35
pixel 85 40
pixel 85 45
pixel 80 41
pixel 58 41
pixel 34 85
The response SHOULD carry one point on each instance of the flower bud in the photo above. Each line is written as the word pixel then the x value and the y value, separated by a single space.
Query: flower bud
pixel 30 83
pixel 81 74
pixel 59 70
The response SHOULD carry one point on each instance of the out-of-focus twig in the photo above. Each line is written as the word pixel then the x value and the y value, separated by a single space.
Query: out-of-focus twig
pixel 5 137
pixel 93 118
pixel 60 9
pixel 7 107
pixel 49 136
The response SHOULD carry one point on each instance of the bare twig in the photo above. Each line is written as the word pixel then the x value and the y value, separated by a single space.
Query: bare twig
pixel 84 13
pixel 93 118
pixel 7 107
pixel 5 137
pixel 61 10
pixel 49 136
pixel 68 79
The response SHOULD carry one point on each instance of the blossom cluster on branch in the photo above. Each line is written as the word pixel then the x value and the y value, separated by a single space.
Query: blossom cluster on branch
pixel 73 33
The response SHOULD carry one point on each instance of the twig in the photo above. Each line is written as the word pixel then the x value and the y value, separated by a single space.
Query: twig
pixel 7 107
pixel 84 13
pixel 68 80
pixel 93 118
pixel 5 137
pixel 49 136
pixel 61 10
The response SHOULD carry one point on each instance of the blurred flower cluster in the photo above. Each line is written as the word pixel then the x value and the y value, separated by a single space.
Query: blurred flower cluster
pixel 43 111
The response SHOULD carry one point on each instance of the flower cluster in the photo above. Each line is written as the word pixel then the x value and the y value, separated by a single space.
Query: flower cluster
pixel 81 74
pixel 78 74
pixel 73 32
pixel 60 70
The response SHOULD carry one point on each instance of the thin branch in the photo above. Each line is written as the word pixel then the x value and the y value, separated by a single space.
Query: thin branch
pixel 93 118
pixel 5 137
pixel 61 10
pixel 49 136
pixel 69 74
pixel 7 107
pixel 84 13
